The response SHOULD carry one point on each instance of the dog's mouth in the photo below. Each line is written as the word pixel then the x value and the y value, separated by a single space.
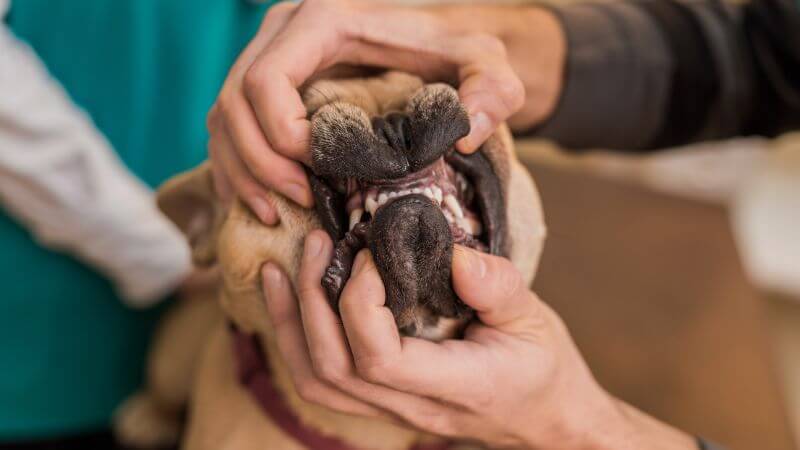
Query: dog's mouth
pixel 438 184
pixel 396 185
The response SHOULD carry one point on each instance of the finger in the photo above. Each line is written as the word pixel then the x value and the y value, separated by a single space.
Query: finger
pixel 222 185
pixel 227 162
pixel 270 169
pixel 285 319
pixel 326 341
pixel 494 288
pixel 415 366
pixel 489 89
pixel 271 84
pixel 330 355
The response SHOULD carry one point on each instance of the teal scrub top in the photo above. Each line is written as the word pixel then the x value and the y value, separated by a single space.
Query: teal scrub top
pixel 146 71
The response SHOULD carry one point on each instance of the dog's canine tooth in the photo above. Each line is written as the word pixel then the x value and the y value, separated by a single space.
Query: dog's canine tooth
pixel 470 225
pixel 448 215
pixel 453 205
pixel 382 199
pixel 355 217
pixel 437 194
pixel 371 204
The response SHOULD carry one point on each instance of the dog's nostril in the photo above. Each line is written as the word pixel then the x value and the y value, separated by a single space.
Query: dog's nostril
pixel 393 130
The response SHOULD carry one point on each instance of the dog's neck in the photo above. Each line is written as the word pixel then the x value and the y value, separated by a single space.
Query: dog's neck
pixel 316 426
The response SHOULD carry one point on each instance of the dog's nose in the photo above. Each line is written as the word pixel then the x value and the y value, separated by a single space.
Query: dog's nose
pixel 393 129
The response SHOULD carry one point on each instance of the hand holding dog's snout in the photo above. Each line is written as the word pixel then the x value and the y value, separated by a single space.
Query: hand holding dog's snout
pixel 259 129
pixel 516 379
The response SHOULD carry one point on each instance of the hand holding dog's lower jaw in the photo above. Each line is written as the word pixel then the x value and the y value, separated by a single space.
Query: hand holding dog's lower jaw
pixel 515 381
pixel 258 127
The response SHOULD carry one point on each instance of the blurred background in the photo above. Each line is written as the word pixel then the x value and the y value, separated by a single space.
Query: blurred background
pixel 679 276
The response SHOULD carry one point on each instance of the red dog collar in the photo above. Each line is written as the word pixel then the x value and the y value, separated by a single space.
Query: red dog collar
pixel 255 375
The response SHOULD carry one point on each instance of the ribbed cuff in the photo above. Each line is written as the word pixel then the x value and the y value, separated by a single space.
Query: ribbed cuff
pixel 616 78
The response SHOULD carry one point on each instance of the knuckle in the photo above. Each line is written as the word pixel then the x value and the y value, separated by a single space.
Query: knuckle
pixel 253 80
pixel 283 142
pixel 222 109
pixel 330 372
pixel 309 390
pixel 486 43
pixel 512 91
pixel 374 371
pixel 307 287
pixel 212 118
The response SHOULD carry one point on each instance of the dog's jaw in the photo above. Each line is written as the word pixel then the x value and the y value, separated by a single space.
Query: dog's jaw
pixel 397 184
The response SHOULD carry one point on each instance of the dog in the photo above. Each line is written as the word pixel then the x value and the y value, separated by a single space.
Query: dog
pixel 385 177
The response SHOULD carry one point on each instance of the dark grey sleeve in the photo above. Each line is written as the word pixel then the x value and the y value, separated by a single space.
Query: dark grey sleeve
pixel 657 73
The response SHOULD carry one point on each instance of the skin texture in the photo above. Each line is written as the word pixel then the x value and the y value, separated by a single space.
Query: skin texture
pixel 222 416
pixel 260 128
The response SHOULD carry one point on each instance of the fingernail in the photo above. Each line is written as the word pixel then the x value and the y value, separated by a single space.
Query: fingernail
pixel 298 193
pixel 313 246
pixel 263 210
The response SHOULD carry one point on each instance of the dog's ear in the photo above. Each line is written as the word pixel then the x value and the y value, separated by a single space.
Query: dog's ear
pixel 189 201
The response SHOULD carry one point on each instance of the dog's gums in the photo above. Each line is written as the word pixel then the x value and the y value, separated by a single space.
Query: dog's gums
pixel 395 185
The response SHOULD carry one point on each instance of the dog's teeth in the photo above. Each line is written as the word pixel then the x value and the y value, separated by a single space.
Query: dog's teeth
pixel 405 192
pixel 429 193
pixel 417 190
pixel 452 203
pixel 392 194
pixel 355 217
pixel 371 204
pixel 448 216
pixel 437 194
pixel 382 199
pixel 470 225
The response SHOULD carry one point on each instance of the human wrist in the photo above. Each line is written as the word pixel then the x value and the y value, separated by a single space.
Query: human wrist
pixel 620 426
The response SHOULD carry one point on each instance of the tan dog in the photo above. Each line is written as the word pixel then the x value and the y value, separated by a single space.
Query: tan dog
pixel 223 414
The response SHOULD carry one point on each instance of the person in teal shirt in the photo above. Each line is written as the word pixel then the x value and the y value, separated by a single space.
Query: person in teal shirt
pixel 145 72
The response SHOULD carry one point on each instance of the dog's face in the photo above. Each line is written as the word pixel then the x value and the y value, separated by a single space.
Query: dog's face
pixel 385 177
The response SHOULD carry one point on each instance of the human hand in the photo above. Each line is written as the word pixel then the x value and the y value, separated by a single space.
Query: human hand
pixel 259 130
pixel 515 380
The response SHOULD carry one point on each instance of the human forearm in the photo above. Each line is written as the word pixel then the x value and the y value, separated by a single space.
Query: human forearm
pixel 60 178
pixel 631 429
pixel 636 76
pixel 647 75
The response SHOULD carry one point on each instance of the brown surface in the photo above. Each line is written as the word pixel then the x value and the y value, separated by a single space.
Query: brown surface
pixel 654 295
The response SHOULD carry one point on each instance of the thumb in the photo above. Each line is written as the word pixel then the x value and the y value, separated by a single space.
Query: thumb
pixel 493 287
pixel 490 94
